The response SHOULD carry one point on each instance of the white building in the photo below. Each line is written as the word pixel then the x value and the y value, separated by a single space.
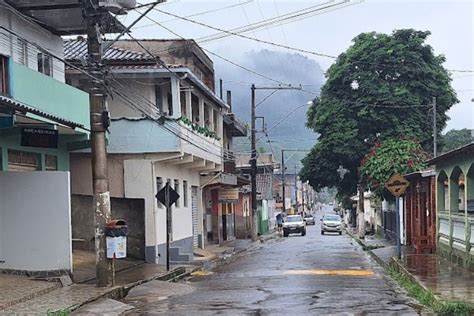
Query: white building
pixel 167 126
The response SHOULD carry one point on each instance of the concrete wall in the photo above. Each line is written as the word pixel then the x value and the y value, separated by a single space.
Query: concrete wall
pixel 13 141
pixel 35 222
pixel 81 174
pixel 131 210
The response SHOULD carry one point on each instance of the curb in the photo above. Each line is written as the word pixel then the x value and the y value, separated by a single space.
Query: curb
pixel 120 292
pixel 394 264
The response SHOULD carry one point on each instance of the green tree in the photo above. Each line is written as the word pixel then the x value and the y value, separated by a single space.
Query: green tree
pixel 379 88
pixel 455 138
pixel 394 155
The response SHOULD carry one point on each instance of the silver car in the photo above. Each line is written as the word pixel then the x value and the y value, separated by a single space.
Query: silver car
pixel 331 223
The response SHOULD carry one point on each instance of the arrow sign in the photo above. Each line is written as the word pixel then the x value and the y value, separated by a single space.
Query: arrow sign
pixel 173 195
pixel 397 184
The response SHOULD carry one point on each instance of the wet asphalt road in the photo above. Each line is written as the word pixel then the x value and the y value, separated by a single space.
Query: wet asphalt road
pixel 311 275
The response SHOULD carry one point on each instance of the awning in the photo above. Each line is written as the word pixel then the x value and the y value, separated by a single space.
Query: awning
pixel 24 109
pixel 62 17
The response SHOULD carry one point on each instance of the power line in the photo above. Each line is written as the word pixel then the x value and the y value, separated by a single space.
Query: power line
pixel 228 60
pixel 245 36
pixel 199 13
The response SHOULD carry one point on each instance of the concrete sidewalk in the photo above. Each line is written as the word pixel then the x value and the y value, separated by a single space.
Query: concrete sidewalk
pixel 447 281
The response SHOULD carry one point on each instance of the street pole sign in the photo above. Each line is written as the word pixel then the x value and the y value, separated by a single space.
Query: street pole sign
pixel 397 185
pixel 167 196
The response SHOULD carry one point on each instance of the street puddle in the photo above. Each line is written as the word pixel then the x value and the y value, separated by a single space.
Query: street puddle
pixel 343 272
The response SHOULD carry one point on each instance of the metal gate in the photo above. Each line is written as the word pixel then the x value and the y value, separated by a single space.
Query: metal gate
pixel 194 208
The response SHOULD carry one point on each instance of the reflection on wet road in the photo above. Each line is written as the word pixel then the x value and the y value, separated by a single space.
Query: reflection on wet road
pixel 297 275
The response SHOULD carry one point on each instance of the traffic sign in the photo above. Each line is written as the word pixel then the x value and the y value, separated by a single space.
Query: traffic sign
pixel 161 195
pixel 397 184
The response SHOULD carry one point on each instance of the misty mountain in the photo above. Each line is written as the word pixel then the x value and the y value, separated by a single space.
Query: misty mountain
pixel 288 68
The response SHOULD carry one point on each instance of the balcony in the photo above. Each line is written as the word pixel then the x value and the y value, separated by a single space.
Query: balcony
pixel 172 141
pixel 49 95
pixel 237 127
pixel 229 162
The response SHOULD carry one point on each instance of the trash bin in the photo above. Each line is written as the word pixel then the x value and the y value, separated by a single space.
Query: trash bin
pixel 116 232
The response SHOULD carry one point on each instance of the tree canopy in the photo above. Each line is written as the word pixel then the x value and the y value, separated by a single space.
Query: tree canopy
pixel 455 138
pixel 380 88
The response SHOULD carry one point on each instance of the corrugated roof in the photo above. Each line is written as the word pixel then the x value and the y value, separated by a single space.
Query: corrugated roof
pixel 77 50
pixel 24 108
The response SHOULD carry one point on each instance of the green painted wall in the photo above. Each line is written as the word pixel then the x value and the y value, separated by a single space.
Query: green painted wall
pixel 48 94
pixel 13 142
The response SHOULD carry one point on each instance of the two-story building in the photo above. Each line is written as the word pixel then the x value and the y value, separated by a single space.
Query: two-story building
pixel 455 205
pixel 167 126
pixel 41 120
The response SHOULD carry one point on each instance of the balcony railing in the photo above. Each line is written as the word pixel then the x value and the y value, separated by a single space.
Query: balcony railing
pixel 229 161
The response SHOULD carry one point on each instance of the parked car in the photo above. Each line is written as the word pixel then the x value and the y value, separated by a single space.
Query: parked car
pixel 331 223
pixel 294 224
pixel 309 219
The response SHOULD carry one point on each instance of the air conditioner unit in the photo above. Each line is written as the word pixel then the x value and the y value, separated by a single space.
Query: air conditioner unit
pixel 118 6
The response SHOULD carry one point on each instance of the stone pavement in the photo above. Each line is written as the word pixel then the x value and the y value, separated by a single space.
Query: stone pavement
pixel 84 265
pixel 71 297
pixel 446 280
pixel 16 289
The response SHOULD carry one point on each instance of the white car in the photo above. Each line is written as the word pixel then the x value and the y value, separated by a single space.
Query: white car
pixel 294 224
pixel 331 223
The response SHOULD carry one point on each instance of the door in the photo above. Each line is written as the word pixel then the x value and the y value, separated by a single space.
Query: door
pixel 195 217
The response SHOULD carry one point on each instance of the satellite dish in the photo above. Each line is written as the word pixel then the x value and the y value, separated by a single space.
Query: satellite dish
pixel 118 6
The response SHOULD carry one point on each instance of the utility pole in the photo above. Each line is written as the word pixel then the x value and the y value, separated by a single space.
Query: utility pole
pixel 435 130
pixel 253 158
pixel 283 180
pixel 98 121
pixel 283 168
pixel 253 164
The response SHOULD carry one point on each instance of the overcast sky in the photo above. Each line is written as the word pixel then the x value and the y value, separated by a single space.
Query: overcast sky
pixel 451 23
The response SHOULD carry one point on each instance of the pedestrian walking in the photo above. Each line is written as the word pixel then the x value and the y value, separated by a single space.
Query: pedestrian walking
pixel 279 222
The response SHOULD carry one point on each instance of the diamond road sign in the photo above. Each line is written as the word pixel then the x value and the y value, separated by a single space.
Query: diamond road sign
pixel 397 184
pixel 161 195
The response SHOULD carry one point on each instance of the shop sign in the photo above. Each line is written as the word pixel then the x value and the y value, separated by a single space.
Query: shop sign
pixel 39 137
pixel 229 195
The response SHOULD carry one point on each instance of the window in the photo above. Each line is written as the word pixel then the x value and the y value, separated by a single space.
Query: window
pixel 158 99
pixel 23 161
pixel 185 193
pixel 22 52
pixel 45 64
pixel 159 186
pixel 176 188
pixel 182 97
pixel 3 75
pixel 170 104
pixel 216 121
pixel 51 163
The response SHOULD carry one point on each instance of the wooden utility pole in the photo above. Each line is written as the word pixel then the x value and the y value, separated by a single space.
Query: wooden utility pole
pixel 99 122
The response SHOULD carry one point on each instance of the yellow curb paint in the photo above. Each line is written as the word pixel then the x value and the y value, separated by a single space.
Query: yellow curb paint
pixel 351 272
pixel 200 273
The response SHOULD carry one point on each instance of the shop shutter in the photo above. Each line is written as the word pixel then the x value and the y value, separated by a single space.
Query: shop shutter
pixel 194 207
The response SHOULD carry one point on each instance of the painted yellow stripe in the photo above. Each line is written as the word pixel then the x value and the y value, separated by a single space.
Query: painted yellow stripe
pixel 352 272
